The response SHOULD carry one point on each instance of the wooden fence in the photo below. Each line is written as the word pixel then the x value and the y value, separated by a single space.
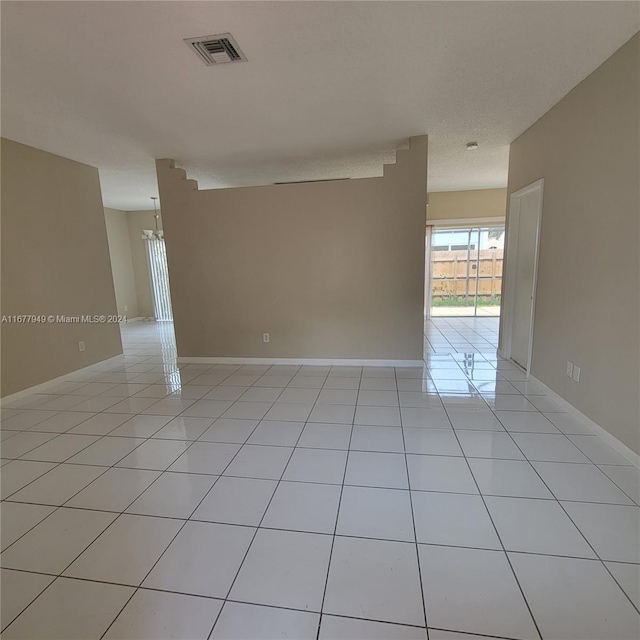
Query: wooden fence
pixel 453 274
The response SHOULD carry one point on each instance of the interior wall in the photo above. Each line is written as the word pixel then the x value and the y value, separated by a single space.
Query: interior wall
pixel 138 221
pixel 121 262
pixel 587 305
pixel 329 269
pixel 476 203
pixel 55 261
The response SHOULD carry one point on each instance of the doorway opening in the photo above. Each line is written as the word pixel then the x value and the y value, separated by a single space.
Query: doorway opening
pixel 466 271
pixel 159 277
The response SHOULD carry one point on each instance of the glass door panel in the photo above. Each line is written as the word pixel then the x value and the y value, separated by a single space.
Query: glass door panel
pixel 466 271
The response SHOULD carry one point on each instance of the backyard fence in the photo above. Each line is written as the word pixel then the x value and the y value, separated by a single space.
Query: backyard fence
pixel 457 276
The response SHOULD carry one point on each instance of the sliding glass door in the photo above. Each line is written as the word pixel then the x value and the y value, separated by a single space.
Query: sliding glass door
pixel 159 277
pixel 466 271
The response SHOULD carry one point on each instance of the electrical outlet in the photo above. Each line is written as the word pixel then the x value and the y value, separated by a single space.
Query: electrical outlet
pixel 81 345
pixel 266 337
pixel 576 373
pixel 569 369
pixel 126 308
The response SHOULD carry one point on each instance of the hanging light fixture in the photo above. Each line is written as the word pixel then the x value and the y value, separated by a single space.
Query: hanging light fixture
pixel 157 233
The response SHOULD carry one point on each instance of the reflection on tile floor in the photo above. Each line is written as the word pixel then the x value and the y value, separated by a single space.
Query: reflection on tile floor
pixel 146 499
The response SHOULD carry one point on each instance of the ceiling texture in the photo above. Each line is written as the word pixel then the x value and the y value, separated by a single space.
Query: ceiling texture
pixel 330 89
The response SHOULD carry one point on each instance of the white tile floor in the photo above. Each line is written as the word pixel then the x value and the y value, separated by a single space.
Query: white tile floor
pixel 147 500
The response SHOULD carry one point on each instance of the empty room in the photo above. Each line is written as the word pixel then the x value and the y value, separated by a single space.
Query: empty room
pixel 320 320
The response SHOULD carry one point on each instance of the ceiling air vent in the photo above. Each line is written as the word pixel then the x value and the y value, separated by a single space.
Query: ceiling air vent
pixel 218 49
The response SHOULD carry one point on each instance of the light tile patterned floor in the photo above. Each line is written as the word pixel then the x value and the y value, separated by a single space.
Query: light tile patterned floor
pixel 147 500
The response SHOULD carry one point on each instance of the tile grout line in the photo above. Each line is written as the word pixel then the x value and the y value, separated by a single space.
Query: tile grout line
pixel 559 503
pixel 257 528
pixel 413 518
pixel 161 473
pixel 504 551
pixel 357 537
pixel 335 528
pixel 270 606
pixel 56 507
pixel 100 534
pixel 295 447
pixel 184 524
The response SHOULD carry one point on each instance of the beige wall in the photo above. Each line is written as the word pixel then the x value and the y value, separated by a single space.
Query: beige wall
pixel 476 203
pixel 330 270
pixel 587 308
pixel 55 260
pixel 138 221
pixel 121 262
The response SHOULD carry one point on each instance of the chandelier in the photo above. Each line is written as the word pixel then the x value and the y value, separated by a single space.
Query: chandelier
pixel 157 233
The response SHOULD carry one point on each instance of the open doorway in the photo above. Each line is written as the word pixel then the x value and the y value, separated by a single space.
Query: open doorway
pixel 466 271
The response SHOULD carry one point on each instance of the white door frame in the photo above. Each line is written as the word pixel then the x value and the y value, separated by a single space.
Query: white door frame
pixel 427 271
pixel 510 268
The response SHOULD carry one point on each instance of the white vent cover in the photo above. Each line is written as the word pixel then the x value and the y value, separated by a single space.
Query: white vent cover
pixel 218 49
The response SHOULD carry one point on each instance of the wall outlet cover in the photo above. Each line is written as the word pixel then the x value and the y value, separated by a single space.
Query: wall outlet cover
pixel 569 369
pixel 81 345
pixel 576 373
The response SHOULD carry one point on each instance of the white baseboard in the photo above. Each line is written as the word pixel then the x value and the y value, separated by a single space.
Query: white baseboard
pixel 43 386
pixel 346 362
pixel 132 320
pixel 597 430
